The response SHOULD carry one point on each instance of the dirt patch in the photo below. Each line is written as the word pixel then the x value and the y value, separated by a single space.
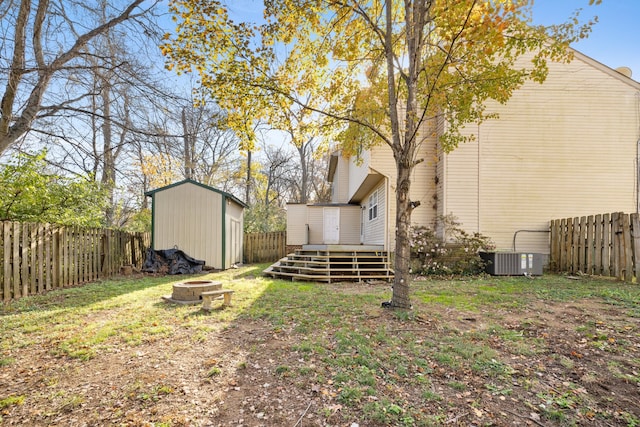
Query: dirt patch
pixel 579 358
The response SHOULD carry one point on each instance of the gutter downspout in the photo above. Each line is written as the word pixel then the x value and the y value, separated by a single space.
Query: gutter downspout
pixel 479 187
pixel 637 176
pixel 387 239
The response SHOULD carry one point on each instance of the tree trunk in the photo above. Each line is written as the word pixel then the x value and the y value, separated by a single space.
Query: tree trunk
pixel 108 163
pixel 304 191
pixel 402 277
pixel 248 188
pixel 188 158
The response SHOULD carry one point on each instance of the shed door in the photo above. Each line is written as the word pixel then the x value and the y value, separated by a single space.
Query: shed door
pixel 236 242
pixel 331 217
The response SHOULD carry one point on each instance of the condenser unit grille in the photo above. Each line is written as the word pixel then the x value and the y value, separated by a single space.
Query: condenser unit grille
pixel 512 263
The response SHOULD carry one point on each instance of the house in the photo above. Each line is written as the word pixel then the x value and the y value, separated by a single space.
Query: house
pixel 568 147
pixel 204 222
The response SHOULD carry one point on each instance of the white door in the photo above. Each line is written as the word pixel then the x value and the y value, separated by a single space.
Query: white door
pixel 331 217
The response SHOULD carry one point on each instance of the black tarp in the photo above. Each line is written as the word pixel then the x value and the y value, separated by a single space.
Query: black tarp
pixel 171 261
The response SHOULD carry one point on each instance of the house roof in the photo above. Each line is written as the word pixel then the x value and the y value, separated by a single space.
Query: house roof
pixel 605 68
pixel 206 187
pixel 333 163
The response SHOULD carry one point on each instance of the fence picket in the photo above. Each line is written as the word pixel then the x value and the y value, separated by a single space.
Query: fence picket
pixel 597 259
pixel 589 245
pixel 627 257
pixel 15 260
pixel 606 244
pixel 603 244
pixel 264 247
pixel 47 251
pixel 635 238
pixel 40 257
pixel 33 245
pixel 569 244
pixel 615 244
pixel 24 255
pixel 582 227
pixel 6 253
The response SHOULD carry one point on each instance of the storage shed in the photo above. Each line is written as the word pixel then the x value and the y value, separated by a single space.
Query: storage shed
pixel 204 222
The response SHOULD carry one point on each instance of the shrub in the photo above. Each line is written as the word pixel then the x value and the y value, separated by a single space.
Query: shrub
pixel 459 255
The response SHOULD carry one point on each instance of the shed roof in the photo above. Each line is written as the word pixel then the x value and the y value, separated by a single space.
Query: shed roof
pixel 206 187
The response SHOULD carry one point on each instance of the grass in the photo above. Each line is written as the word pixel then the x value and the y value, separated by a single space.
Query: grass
pixel 79 322
pixel 384 366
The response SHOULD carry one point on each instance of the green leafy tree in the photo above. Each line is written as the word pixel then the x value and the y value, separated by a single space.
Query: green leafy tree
pixel 385 68
pixel 31 193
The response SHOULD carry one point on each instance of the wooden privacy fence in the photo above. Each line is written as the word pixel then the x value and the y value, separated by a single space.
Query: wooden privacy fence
pixel 42 257
pixel 265 247
pixel 606 244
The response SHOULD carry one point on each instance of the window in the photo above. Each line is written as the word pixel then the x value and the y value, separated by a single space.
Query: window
pixel 373 206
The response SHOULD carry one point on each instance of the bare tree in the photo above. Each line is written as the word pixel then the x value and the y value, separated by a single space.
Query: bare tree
pixel 45 43
pixel 210 148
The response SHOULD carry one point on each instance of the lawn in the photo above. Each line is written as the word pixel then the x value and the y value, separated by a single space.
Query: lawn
pixel 549 351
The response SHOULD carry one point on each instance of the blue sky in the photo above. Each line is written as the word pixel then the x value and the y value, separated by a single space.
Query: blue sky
pixel 615 39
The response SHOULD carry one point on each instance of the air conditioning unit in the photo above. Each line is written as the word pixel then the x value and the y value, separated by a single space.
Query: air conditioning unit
pixel 512 263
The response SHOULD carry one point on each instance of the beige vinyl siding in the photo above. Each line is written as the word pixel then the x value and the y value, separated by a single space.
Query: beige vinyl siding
pixel 358 170
pixel 349 224
pixel 189 217
pixel 562 149
pixel 296 224
pixel 423 182
pixel 340 185
pixel 423 179
pixel 234 240
pixel 315 221
pixel 460 184
pixel 441 193
pixel 374 229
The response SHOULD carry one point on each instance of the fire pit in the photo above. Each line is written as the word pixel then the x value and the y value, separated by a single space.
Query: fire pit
pixel 191 292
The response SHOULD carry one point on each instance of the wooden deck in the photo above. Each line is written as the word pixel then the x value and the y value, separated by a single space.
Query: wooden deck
pixel 333 264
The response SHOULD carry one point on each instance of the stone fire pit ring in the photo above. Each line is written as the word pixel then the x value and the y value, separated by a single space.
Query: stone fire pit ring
pixel 190 292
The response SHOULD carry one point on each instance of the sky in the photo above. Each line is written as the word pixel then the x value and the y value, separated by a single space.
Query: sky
pixel 614 40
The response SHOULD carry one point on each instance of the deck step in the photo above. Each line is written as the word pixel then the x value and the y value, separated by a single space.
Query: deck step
pixel 328 266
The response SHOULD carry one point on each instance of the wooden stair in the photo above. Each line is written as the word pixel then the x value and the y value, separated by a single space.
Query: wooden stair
pixel 333 266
